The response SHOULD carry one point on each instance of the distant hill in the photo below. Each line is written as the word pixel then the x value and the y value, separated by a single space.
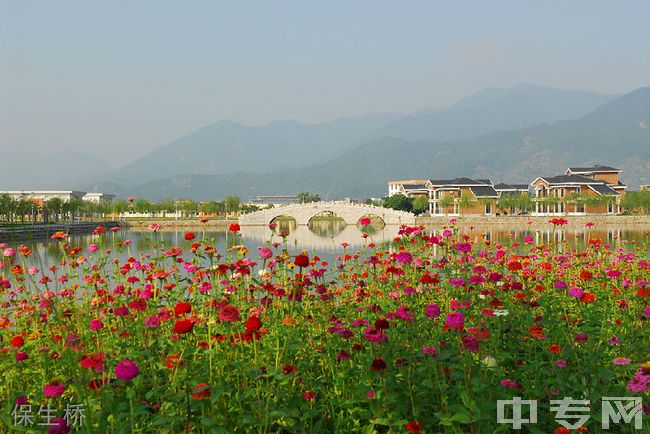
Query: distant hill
pixel 615 134
pixel 494 109
pixel 229 147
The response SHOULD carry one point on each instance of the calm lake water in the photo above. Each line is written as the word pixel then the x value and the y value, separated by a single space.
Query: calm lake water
pixel 326 238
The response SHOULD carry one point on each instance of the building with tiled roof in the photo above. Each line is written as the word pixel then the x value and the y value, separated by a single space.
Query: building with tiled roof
pixel 581 190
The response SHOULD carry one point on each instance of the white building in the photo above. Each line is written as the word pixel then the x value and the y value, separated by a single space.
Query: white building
pixel 44 195
pixel 40 196
pixel 407 187
pixel 99 197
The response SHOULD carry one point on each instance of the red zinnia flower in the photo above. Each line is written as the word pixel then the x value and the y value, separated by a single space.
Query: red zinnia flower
pixel 183 326
pixel 413 427
pixel 378 364
pixel 302 260
pixel 201 391
pixel 17 341
pixel 182 308
pixel 234 227
pixel 587 297
pixel 253 324
pixel 229 313
pixel 189 236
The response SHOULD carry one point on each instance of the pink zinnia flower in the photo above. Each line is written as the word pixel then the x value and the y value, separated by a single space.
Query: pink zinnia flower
pixel 432 311
pixel 33 270
pixel 93 248
pixel 455 320
pixel 561 363
pixel 429 350
pixel 58 425
pixel 8 252
pixel 264 252
pixel 152 321
pixel 96 324
pixel 621 361
pixel 509 383
pixel 126 370
pixel 404 258
pixel 575 292
pixel 53 389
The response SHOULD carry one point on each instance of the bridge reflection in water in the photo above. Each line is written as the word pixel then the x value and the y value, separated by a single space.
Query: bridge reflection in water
pixel 320 235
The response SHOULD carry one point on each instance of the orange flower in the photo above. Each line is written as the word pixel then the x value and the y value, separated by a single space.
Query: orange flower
pixel 554 348
pixel 174 361
pixel 587 297
pixel 537 331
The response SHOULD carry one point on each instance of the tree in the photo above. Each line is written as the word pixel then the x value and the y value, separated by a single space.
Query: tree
pixel 466 202
pixel 54 205
pixel 232 203
pixel 446 202
pixel 306 197
pixel 399 202
pixel 420 204
pixel 7 206
pixel 119 206
pixel 636 202
pixel 143 206
pixel 166 205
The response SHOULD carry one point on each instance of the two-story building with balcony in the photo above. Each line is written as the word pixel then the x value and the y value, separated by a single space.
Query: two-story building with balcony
pixel 580 191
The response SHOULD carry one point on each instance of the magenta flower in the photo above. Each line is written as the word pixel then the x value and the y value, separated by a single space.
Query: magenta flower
pixel 432 311
pixel 96 324
pixel 58 425
pixel 152 321
pixel 404 258
pixel 126 370
pixel 456 281
pixel 464 247
pixel 21 355
pixel 53 389
pixel 509 383
pixel 264 252
pixel 561 363
pixel 93 248
pixel 575 292
pixel 374 335
pixel 455 320
pixel 621 361
pixel 581 338
pixel 429 350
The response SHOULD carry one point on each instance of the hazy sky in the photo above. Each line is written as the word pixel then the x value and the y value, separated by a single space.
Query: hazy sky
pixel 120 78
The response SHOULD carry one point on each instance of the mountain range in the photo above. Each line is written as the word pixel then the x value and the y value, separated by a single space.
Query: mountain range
pixel 509 135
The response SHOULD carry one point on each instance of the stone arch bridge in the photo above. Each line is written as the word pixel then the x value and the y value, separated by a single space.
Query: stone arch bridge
pixel 350 212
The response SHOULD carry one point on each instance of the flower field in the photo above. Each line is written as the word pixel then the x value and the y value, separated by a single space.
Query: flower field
pixel 424 334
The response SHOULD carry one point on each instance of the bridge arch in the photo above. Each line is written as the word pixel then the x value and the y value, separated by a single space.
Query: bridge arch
pixel 350 212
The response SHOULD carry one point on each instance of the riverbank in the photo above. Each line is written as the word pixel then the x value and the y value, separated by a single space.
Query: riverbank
pixel 641 221
pixel 40 231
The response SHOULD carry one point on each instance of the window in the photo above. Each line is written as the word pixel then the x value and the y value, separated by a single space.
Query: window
pixel 488 208
pixel 610 208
